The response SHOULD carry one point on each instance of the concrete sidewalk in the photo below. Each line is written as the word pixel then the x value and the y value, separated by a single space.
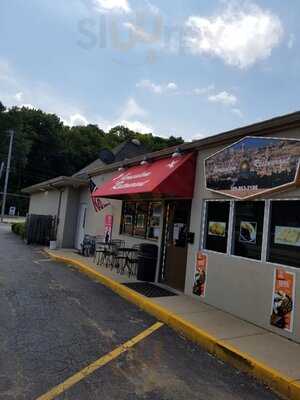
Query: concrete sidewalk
pixel 271 358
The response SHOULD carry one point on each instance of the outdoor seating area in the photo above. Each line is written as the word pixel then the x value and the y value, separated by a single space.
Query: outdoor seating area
pixel 113 254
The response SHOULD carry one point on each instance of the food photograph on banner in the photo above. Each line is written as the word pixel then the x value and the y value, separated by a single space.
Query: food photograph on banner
pixel 282 313
pixel 200 277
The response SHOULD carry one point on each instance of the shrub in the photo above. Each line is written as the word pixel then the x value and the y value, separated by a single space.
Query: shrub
pixel 19 228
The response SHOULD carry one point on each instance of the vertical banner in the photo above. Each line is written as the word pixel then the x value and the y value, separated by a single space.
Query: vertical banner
pixel 282 314
pixel 108 226
pixel 199 288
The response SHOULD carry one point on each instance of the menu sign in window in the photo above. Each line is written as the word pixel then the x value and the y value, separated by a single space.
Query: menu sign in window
pixel 253 166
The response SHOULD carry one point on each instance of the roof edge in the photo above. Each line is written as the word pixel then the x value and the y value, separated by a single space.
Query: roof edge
pixel 55 183
pixel 262 128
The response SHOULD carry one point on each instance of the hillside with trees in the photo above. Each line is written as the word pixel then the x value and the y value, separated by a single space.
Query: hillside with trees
pixel 45 148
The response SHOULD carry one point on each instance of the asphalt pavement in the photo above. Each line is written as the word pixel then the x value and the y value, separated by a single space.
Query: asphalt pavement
pixel 54 322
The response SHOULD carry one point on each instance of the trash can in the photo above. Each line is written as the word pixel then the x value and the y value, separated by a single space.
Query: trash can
pixel 147 260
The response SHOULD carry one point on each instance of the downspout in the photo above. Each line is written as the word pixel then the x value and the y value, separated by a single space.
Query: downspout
pixel 58 209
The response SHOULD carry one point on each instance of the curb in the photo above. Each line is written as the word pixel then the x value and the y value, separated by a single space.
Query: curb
pixel 283 385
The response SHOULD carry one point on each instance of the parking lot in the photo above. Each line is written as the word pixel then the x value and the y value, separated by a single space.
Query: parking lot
pixel 62 336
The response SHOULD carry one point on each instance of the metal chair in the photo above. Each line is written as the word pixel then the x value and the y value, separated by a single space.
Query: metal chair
pixel 133 261
pixel 99 248
pixel 88 245
pixel 113 259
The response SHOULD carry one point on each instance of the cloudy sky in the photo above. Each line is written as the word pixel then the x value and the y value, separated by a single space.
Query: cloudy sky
pixel 183 67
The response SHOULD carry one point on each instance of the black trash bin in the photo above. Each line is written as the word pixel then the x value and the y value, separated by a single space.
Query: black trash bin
pixel 147 260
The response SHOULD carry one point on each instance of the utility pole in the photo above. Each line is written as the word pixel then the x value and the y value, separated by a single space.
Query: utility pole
pixel 1 169
pixel 11 132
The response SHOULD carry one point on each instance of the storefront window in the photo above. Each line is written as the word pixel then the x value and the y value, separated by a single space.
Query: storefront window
pixel 216 231
pixel 128 217
pixel 284 240
pixel 248 229
pixel 141 218
pixel 155 211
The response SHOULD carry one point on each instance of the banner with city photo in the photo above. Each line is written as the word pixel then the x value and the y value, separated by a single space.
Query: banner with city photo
pixel 253 166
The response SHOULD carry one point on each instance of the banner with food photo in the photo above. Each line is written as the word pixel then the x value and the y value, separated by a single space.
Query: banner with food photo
pixel 200 278
pixel 282 314
pixel 217 228
pixel 248 232
pixel 287 235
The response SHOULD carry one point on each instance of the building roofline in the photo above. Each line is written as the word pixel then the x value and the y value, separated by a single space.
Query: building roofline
pixel 55 183
pixel 263 128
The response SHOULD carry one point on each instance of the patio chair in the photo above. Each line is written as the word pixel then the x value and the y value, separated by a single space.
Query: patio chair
pixel 99 248
pixel 133 261
pixel 112 255
pixel 88 245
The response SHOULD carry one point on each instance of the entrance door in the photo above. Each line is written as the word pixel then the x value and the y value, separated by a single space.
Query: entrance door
pixel 80 225
pixel 176 245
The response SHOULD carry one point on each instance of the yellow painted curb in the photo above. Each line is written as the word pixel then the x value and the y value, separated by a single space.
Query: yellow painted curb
pixel 283 385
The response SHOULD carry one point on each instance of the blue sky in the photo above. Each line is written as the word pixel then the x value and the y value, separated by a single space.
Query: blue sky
pixel 185 68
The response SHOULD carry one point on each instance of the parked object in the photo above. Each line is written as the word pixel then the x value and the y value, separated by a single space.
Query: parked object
pixel 41 229
pixel 53 245
pixel 88 245
pixel 147 260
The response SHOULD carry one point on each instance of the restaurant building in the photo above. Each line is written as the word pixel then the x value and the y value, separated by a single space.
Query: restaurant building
pixel 224 212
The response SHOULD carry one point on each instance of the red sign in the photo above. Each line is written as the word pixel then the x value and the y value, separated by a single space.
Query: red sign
pixel 283 299
pixel 108 226
pixel 199 288
pixel 168 177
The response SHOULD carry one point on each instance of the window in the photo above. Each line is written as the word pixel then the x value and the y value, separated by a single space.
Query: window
pixel 128 217
pixel 248 229
pixel 284 239
pixel 141 219
pixel 155 212
pixel 216 231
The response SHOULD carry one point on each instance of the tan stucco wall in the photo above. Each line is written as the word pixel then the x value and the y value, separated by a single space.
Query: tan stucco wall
pixel 239 286
pixel 44 203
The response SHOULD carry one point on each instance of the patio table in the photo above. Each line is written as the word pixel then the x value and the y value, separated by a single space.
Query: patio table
pixel 127 252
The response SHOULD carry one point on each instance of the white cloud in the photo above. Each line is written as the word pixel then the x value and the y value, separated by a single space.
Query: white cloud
pixel 241 35
pixel 76 120
pixel 30 106
pixel 136 126
pixel 157 88
pixel 237 112
pixel 112 6
pixel 224 98
pixel 147 84
pixel 132 109
pixel 172 86
pixel 139 33
pixel 19 96
pixel 204 90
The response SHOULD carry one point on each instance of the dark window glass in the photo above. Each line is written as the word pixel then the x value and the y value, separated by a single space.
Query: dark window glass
pixel 248 229
pixel 216 231
pixel 284 241
pixel 141 218
pixel 128 217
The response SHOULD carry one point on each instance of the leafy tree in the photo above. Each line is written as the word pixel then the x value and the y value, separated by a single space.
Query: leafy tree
pixel 45 148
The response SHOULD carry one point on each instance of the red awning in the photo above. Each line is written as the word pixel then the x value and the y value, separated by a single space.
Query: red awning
pixel 168 177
